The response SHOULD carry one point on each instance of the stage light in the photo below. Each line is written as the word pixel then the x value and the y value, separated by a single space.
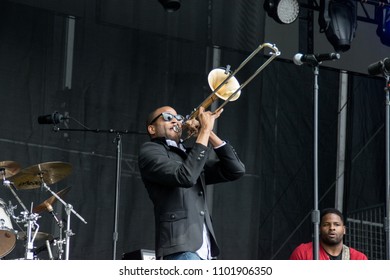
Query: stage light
pixel 282 11
pixel 338 20
pixel 170 5
pixel 382 16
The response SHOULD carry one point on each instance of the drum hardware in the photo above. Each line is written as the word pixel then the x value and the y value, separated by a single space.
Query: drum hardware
pixel 47 243
pixel 11 187
pixel 7 233
pixel 30 220
pixel 39 236
pixel 47 206
pixel 9 168
pixel 31 234
pixel 68 209
pixel 33 176
pixel 60 242
pixel 37 176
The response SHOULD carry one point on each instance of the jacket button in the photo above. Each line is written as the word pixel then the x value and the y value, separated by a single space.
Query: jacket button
pixel 173 216
pixel 202 213
pixel 200 193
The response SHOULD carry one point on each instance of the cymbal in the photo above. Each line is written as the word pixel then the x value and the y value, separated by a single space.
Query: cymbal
pixel 10 167
pixel 39 237
pixel 48 202
pixel 49 173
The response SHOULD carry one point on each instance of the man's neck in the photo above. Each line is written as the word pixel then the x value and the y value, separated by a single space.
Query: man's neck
pixel 333 250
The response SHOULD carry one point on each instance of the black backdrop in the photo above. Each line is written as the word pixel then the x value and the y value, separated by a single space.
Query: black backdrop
pixel 130 57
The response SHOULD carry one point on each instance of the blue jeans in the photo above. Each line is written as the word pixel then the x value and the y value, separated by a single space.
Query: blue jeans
pixel 183 256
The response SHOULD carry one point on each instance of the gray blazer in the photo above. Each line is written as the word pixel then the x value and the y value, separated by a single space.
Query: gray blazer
pixel 176 182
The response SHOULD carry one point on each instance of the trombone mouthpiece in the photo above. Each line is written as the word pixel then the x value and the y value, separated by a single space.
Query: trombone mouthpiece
pixel 176 128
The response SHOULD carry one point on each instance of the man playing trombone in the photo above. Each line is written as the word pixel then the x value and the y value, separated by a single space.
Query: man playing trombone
pixel 176 179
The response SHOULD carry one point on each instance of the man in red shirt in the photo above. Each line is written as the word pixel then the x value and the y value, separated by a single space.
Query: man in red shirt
pixel 331 247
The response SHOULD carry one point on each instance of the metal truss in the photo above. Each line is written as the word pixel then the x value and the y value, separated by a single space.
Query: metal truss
pixel 366 8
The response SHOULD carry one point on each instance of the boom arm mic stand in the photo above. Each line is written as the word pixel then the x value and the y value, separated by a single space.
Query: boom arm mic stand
pixel 118 141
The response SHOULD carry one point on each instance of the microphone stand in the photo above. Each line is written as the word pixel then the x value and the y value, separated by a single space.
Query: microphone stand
pixel 316 213
pixel 118 141
pixel 315 61
pixel 387 215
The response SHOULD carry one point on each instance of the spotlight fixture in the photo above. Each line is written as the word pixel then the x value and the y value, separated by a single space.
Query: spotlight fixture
pixel 282 11
pixel 382 16
pixel 338 20
pixel 170 5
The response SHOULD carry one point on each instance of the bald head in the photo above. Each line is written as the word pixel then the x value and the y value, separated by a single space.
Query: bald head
pixel 157 112
pixel 166 126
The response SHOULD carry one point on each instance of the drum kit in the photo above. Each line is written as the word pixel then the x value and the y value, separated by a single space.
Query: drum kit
pixel 40 176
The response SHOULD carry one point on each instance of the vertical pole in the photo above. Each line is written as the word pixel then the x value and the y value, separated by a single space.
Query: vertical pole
pixel 387 217
pixel 341 138
pixel 315 214
pixel 117 191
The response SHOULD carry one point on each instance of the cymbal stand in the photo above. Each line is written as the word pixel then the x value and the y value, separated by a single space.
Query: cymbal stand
pixel 10 185
pixel 68 209
pixel 28 217
pixel 31 219
pixel 60 242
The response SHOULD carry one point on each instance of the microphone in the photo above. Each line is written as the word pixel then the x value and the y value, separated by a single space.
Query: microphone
pixel 314 59
pixel 54 118
pixel 380 67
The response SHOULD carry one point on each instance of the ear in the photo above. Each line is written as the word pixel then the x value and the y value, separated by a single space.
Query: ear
pixel 345 230
pixel 151 129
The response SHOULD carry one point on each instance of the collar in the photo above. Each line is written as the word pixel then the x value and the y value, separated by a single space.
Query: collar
pixel 171 143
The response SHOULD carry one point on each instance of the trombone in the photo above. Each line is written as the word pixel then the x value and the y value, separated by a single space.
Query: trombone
pixel 228 88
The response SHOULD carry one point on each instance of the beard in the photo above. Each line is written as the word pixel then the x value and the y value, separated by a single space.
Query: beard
pixel 331 240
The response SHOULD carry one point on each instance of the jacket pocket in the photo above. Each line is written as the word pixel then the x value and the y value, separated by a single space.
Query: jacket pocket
pixel 173 228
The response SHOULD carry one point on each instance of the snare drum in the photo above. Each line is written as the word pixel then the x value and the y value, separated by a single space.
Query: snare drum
pixel 7 233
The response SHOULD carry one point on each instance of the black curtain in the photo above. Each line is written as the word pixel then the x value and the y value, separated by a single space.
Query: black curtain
pixel 366 138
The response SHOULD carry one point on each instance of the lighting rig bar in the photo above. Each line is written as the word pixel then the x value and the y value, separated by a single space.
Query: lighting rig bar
pixel 369 16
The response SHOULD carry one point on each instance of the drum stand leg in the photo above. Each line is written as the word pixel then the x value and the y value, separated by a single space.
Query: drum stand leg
pixel 31 224
pixel 68 233
pixel 60 242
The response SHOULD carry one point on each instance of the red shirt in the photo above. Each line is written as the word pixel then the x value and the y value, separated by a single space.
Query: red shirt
pixel 305 252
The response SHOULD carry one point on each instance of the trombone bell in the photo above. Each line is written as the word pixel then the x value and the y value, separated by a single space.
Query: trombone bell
pixel 218 76
pixel 226 87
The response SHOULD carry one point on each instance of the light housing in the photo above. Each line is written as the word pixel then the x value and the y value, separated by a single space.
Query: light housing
pixel 338 20
pixel 282 11
pixel 382 16
pixel 170 5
